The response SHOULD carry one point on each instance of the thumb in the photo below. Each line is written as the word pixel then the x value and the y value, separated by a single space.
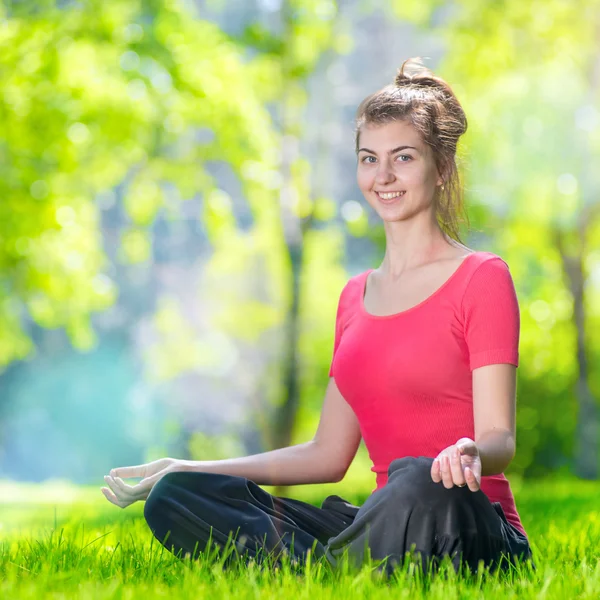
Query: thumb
pixel 466 446
pixel 151 480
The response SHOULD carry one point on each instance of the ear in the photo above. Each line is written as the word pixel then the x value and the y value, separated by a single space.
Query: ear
pixel 441 179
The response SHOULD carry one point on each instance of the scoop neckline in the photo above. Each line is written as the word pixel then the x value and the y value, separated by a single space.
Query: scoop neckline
pixel 363 287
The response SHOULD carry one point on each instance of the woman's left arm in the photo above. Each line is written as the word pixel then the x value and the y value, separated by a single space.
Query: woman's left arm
pixel 494 409
pixel 491 317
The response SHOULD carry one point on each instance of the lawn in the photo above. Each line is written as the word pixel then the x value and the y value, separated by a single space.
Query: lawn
pixel 64 541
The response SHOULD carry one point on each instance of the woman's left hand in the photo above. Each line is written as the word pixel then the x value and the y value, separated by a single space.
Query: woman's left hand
pixel 459 465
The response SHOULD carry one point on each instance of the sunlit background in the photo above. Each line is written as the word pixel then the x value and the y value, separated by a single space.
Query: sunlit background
pixel 179 213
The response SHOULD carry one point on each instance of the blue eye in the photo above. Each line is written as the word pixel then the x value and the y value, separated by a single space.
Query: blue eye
pixel 364 159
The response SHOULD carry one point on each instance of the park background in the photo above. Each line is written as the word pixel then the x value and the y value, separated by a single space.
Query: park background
pixel 179 214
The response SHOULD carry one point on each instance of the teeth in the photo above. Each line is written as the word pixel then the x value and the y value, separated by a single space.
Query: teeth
pixel 389 195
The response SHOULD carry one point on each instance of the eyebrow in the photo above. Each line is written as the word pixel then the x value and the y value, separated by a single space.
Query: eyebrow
pixel 390 152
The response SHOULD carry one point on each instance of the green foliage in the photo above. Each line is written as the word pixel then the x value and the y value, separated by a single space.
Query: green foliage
pixel 526 75
pixel 104 102
pixel 526 83
pixel 101 96
pixel 415 11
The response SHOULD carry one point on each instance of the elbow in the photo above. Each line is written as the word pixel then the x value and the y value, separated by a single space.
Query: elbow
pixel 338 476
pixel 331 465
pixel 509 453
pixel 340 470
pixel 496 451
pixel 335 473
pixel 511 449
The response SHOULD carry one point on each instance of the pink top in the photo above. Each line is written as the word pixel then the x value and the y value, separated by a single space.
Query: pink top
pixel 407 376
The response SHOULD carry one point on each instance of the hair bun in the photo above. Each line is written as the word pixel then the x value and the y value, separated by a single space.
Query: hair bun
pixel 414 73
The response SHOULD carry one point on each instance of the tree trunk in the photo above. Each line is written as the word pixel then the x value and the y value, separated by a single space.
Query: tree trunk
pixel 588 425
pixel 586 442
pixel 294 230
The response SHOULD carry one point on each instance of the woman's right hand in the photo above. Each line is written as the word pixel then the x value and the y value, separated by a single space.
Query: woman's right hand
pixel 122 494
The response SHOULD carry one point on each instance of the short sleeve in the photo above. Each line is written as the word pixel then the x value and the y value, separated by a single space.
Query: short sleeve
pixel 491 317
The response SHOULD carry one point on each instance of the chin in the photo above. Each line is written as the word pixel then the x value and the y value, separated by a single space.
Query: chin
pixel 393 218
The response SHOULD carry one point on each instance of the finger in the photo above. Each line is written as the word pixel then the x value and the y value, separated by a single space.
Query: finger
pixel 446 473
pixel 148 483
pixel 110 496
pixel 458 477
pixel 135 471
pixel 110 483
pixel 436 474
pixel 131 493
pixel 141 490
pixel 127 491
pixel 118 491
pixel 471 479
pixel 123 497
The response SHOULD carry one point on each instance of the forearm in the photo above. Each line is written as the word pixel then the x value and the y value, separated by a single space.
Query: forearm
pixel 496 450
pixel 293 465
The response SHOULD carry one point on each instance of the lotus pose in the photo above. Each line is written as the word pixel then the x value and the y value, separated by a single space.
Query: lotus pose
pixel 423 369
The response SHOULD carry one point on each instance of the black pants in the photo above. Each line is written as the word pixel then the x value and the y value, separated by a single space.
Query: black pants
pixel 410 513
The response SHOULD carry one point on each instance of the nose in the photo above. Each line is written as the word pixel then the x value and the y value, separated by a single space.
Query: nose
pixel 385 174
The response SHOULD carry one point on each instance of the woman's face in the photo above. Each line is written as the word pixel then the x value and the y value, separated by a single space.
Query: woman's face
pixel 396 171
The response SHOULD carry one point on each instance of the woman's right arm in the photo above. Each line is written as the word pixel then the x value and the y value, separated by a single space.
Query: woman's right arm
pixel 324 459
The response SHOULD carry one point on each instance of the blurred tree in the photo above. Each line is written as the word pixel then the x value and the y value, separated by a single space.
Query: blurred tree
pixel 307 33
pixel 129 102
pixel 528 75
pixel 99 95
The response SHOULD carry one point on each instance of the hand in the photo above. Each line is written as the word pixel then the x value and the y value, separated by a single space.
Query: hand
pixel 459 465
pixel 123 495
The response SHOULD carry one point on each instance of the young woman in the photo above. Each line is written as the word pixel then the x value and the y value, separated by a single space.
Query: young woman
pixel 424 369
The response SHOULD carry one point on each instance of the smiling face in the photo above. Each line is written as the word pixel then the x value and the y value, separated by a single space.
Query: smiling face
pixel 396 170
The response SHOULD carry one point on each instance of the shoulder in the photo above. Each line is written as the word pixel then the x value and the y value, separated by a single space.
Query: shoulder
pixel 355 283
pixel 485 264
pixel 488 282
pixel 351 293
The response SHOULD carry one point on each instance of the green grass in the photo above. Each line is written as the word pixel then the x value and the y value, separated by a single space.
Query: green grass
pixel 63 541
